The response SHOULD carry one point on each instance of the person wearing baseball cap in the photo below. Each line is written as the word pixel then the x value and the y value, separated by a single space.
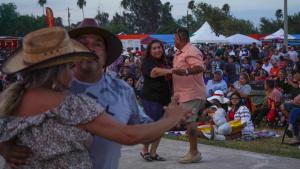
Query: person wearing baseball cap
pixel 217 83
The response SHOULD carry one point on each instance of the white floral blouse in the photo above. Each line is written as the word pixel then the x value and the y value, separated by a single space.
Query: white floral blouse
pixel 52 136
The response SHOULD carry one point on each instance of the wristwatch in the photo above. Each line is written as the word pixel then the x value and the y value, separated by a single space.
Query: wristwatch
pixel 187 72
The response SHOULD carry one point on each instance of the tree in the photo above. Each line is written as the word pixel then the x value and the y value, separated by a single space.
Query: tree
pixel 28 23
pixel 278 14
pixel 42 4
pixel 193 25
pixel 167 22
pixel 102 18
pixel 219 18
pixel 191 5
pixel 14 24
pixel 8 18
pixel 120 23
pixel 146 14
pixel 234 25
pixel 74 25
pixel 268 26
pixel 294 23
pixel 58 21
pixel 81 4
pixel 226 9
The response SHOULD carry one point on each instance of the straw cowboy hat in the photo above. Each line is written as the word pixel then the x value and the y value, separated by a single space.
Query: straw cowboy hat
pixel 44 48
pixel 112 42
pixel 218 95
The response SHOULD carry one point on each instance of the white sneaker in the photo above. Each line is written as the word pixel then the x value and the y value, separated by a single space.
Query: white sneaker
pixel 189 158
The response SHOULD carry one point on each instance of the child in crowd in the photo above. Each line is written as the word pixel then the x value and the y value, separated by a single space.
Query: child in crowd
pixel 218 115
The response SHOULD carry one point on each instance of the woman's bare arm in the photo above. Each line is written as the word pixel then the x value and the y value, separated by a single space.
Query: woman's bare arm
pixel 108 128
pixel 157 72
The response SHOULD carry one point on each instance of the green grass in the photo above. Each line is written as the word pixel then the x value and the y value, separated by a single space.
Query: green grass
pixel 267 145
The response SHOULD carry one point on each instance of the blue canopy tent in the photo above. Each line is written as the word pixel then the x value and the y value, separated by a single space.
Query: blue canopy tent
pixel 296 41
pixel 167 38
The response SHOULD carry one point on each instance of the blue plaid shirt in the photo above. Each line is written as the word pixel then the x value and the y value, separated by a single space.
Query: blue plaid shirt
pixel 120 102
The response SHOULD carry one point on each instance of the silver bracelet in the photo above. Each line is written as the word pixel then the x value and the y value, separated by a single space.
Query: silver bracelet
pixel 187 72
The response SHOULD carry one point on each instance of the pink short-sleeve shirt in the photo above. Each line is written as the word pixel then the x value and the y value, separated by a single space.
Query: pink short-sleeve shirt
pixel 189 87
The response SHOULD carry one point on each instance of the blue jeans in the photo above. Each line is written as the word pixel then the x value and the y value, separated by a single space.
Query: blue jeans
pixel 153 109
pixel 294 118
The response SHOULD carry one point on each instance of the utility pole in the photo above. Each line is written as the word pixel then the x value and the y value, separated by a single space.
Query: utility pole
pixel 187 19
pixel 69 16
pixel 285 16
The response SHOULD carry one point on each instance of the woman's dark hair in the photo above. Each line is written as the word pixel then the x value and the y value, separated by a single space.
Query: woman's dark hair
pixel 163 58
pixel 239 96
pixel 246 58
pixel 270 84
pixel 232 57
pixel 260 62
pixel 129 77
pixel 281 58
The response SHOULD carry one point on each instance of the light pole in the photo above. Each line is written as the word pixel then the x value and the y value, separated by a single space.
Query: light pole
pixel 187 19
pixel 285 16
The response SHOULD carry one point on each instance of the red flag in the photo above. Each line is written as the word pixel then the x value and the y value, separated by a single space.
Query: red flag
pixel 272 111
pixel 49 17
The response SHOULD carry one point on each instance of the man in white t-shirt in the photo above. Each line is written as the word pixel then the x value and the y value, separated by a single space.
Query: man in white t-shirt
pixel 293 55
pixel 267 65
pixel 244 53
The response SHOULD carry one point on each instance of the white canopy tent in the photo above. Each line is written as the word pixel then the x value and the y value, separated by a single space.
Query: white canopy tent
pixel 205 34
pixel 239 39
pixel 278 35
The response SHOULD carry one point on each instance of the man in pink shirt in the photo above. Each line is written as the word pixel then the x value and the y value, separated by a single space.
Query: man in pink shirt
pixel 189 85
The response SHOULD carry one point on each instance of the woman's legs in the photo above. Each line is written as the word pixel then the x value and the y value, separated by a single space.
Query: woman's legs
pixel 155 111
pixel 145 148
pixel 145 153
pixel 154 147
pixel 152 153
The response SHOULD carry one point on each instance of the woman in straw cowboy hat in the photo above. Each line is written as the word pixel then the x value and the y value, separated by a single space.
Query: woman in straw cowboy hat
pixel 38 112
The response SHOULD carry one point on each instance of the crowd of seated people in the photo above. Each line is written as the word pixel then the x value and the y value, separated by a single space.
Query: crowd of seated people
pixel 236 71
pixel 239 70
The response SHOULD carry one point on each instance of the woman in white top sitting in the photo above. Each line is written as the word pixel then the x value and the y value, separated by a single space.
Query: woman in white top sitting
pixel 239 111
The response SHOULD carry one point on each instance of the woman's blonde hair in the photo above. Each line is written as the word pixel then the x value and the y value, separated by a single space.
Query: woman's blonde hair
pixel 246 76
pixel 46 77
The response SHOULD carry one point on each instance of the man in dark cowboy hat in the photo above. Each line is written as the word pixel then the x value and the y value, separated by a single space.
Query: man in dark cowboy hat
pixel 114 94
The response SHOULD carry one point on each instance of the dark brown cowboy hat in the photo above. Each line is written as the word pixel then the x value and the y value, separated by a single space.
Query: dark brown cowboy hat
pixel 45 48
pixel 113 43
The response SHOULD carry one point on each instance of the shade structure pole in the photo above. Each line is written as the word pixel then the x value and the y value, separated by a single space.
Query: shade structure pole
pixel 285 23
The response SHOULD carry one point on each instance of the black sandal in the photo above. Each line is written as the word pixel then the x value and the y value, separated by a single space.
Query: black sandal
pixel 146 157
pixel 158 158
